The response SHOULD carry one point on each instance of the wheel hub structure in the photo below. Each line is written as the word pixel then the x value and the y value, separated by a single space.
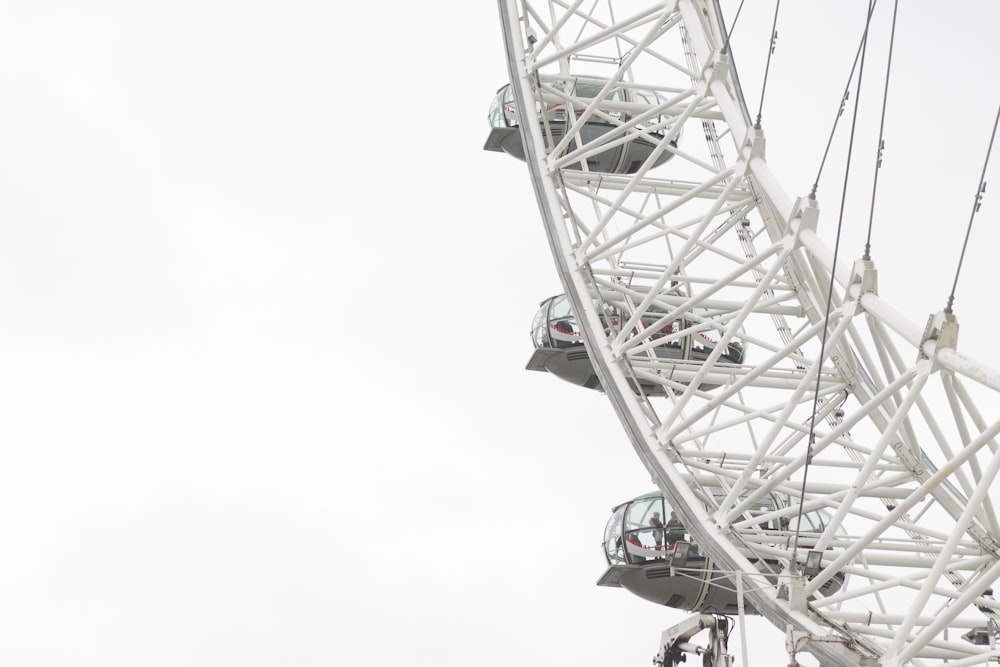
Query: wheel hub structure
pixel 841 407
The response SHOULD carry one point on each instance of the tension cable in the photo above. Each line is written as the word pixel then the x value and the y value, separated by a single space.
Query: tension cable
pixel 729 35
pixel 881 129
pixel 767 67
pixel 829 294
pixel 843 99
pixel 978 201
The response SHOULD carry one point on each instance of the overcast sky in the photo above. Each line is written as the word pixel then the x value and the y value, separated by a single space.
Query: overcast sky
pixel 265 319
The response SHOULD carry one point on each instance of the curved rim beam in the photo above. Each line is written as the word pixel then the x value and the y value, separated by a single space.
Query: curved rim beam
pixel 891 449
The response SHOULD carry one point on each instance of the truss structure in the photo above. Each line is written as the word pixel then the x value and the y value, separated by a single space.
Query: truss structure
pixel 841 408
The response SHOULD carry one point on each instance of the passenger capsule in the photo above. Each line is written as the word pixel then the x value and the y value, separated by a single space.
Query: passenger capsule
pixel 651 554
pixel 622 105
pixel 559 347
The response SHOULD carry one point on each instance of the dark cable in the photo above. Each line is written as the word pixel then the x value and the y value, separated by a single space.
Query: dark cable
pixel 881 128
pixel 843 100
pixel 829 294
pixel 729 35
pixel 767 67
pixel 975 209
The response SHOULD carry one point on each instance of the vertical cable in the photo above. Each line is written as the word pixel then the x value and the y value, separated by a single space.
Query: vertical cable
pixel 843 100
pixel 767 67
pixel 729 35
pixel 881 129
pixel 829 295
pixel 975 209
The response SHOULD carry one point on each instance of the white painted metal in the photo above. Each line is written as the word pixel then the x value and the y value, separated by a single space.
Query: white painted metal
pixel 904 453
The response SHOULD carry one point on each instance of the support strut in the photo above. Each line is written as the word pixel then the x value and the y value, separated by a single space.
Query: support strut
pixel 675 643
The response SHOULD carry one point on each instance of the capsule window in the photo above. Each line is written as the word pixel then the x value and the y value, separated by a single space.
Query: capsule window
pixel 614 546
pixel 644 529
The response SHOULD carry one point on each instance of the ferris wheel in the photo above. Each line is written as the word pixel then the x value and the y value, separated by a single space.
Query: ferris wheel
pixel 830 464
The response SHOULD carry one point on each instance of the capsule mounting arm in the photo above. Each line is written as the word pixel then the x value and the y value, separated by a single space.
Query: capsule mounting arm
pixel 676 642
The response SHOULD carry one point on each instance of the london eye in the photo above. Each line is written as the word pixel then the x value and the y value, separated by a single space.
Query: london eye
pixel 820 459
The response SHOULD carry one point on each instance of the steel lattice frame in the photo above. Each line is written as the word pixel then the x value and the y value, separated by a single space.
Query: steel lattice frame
pixel 902 457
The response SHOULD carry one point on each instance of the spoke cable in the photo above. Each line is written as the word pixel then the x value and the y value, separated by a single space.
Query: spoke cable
pixel 843 100
pixel 767 67
pixel 829 295
pixel 881 130
pixel 729 35
pixel 977 202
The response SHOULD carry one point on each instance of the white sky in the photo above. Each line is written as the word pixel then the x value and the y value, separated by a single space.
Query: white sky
pixel 265 317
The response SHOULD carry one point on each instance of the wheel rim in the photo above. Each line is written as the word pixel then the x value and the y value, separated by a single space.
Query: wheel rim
pixel 710 238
